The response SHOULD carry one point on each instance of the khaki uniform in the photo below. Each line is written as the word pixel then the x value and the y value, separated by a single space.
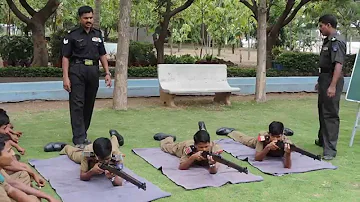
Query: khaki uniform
pixel 333 51
pixel 4 187
pixel 254 143
pixel 179 149
pixel 86 163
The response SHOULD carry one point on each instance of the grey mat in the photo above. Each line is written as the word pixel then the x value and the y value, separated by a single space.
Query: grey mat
pixel 274 166
pixel 195 177
pixel 64 177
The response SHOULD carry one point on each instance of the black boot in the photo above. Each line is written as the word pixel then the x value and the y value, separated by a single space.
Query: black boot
pixel 119 137
pixel 54 146
pixel 201 125
pixel 161 136
pixel 288 132
pixel 224 131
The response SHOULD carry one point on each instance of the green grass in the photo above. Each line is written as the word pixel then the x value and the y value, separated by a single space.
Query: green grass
pixel 139 125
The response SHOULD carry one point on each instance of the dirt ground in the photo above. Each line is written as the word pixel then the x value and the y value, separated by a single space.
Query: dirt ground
pixel 136 103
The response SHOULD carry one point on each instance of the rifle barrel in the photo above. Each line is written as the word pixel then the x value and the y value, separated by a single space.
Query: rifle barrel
pixel 221 160
pixel 124 175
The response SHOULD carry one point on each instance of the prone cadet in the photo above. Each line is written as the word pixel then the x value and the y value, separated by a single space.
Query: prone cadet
pixel 265 143
pixel 190 151
pixel 102 150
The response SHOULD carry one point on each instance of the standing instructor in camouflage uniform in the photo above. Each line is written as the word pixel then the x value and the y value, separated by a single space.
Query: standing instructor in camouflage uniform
pixel 82 49
pixel 330 85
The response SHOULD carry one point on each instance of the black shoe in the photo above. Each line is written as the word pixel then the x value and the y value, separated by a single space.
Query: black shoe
pixel 201 125
pixel 118 136
pixel 288 132
pixel 224 131
pixel 318 143
pixel 54 146
pixel 87 142
pixel 161 136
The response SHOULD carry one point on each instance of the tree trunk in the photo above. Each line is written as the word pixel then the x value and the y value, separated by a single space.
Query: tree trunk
pixel 179 47
pixel 159 42
pixel 219 49
pixel 270 42
pixel 97 13
pixel 106 33
pixel 40 55
pixel 120 88
pixel 171 45
pixel 233 49
pixel 260 93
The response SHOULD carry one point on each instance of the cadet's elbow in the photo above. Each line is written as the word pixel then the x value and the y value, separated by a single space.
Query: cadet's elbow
pixel 182 167
pixel 84 178
pixel 257 158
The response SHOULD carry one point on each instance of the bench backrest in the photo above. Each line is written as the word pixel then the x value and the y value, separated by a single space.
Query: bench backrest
pixel 192 74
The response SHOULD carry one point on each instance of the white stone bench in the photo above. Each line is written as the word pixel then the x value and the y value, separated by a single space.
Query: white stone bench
pixel 184 79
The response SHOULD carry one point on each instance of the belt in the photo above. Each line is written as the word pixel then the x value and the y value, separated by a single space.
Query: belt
pixel 86 62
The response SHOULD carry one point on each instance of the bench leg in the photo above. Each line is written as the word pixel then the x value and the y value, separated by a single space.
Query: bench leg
pixel 167 99
pixel 223 98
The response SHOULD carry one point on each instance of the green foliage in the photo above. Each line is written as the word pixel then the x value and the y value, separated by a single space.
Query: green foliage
pixel 306 64
pixel 141 54
pixel 56 42
pixel 183 59
pixel 16 50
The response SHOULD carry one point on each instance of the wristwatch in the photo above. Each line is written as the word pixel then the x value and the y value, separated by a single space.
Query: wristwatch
pixel 108 73
pixel 212 165
pixel 113 179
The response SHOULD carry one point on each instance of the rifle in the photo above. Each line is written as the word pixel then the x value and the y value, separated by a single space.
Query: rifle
pixel 117 171
pixel 221 160
pixel 281 145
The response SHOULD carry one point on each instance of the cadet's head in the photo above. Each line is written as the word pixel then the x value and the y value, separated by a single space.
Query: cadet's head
pixel 202 140
pixel 327 24
pixel 276 130
pixel 5 151
pixel 4 120
pixel 86 16
pixel 102 148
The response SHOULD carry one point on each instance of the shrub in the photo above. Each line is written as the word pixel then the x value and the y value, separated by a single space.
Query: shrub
pixel 141 54
pixel 16 50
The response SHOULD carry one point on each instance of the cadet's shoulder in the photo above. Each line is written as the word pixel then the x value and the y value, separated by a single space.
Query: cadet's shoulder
pixel 72 30
pixel 338 37
pixel 97 31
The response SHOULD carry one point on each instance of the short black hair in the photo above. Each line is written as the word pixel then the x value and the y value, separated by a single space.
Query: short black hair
pixel 276 128
pixel 4 118
pixel 328 19
pixel 201 136
pixel 3 139
pixel 85 9
pixel 102 147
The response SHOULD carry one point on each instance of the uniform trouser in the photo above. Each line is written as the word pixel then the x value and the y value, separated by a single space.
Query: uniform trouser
pixel 75 154
pixel 329 113
pixel 167 145
pixel 84 86
pixel 243 139
pixel 20 176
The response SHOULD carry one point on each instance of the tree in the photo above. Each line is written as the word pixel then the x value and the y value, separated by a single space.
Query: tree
pixel 120 87
pixel 273 30
pixel 260 93
pixel 36 23
pixel 97 8
pixel 164 8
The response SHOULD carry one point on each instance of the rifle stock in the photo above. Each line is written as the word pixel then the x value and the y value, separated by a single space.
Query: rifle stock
pixel 281 145
pixel 221 160
pixel 122 174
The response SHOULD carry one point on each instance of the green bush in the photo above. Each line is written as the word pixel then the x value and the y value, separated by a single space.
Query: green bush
pixel 16 50
pixel 307 64
pixel 56 42
pixel 141 54
pixel 148 72
pixel 183 59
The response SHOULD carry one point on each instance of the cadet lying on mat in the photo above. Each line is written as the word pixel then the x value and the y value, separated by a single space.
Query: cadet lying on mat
pixel 13 189
pixel 190 151
pixel 102 150
pixel 265 144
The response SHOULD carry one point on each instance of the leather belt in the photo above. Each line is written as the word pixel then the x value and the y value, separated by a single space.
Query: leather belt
pixel 86 62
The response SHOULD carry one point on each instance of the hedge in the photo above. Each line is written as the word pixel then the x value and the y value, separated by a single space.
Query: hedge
pixel 137 72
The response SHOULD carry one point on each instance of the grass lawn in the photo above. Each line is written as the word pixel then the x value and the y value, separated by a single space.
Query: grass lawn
pixel 139 125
